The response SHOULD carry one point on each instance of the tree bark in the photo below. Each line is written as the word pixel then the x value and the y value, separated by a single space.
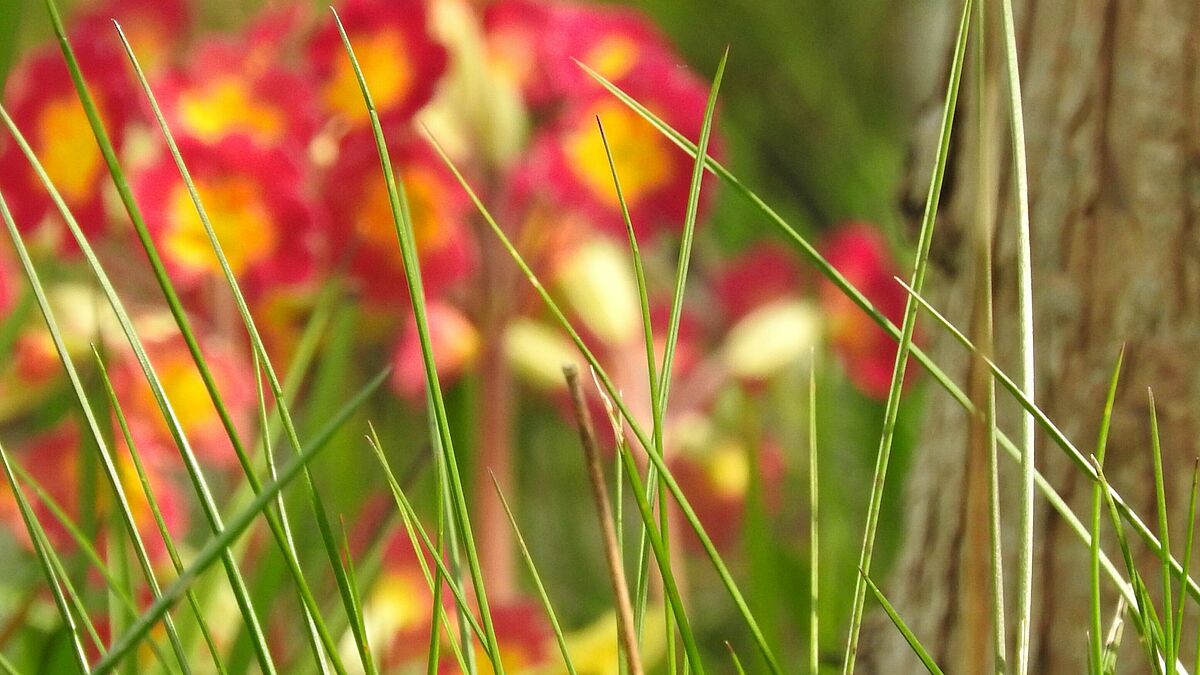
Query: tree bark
pixel 1112 117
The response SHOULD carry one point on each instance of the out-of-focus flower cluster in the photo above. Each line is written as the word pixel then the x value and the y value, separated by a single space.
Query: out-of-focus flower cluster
pixel 274 131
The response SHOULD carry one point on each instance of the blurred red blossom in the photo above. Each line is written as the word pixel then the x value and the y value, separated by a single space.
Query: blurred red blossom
pixel 867 352
pixel 157 30
pixel 455 343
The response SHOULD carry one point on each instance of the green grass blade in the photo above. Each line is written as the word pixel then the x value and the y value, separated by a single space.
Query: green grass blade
pixel 1187 555
pixel 814 549
pixel 356 607
pixel 1027 349
pixel 614 395
pixel 412 271
pixel 538 585
pixel 155 510
pixel 1060 439
pixel 909 637
pixel 907 331
pixel 1096 635
pixel 1160 494
pixel 737 663
pixel 92 424
pixel 32 526
pixel 237 526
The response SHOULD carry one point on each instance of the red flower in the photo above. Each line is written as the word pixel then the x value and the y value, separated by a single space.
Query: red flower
pixel 523 634
pixel 227 91
pixel 716 480
pixel 455 345
pixel 868 353
pixel 255 201
pixel 760 274
pixel 10 287
pixel 42 101
pixel 568 162
pixel 400 60
pixel 189 399
pixel 363 223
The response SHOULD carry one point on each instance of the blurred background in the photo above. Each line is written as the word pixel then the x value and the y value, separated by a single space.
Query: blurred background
pixel 815 116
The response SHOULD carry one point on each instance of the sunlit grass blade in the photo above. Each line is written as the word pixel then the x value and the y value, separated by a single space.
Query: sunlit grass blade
pixel 312 612
pixel 909 637
pixel 1096 635
pixel 539 586
pixel 908 328
pixel 32 526
pixel 92 424
pixel 155 510
pixel 1024 615
pixel 402 219
pixel 1164 535
pixel 814 549
pixel 237 526
pixel 614 395
pixel 1060 439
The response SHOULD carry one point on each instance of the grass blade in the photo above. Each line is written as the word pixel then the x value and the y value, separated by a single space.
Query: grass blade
pixel 412 271
pixel 814 549
pixel 1096 635
pixel 1160 494
pixel 907 331
pixel 538 586
pixel 1187 554
pixel 237 526
pixel 909 637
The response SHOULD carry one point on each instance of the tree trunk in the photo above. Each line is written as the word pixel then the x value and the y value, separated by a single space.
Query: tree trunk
pixel 1112 116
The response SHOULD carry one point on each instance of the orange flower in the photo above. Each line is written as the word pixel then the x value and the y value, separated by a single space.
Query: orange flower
pixel 364 227
pixel 256 203
pixel 400 60
pixel 867 352
pixel 189 399
pixel 228 91
pixel 42 101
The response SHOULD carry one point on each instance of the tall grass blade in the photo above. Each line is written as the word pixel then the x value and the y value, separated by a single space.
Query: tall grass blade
pixel 909 637
pixel 1187 555
pixel 412 272
pixel 1096 635
pixel 219 545
pixel 538 585
pixel 814 548
pixel 1025 323
pixel 908 328
pixel 614 395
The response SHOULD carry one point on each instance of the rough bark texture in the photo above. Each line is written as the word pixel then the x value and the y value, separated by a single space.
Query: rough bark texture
pixel 1112 110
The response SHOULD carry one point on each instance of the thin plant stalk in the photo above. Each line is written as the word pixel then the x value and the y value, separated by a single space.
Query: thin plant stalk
pixel 814 549
pixel 1160 494
pixel 909 637
pixel 1096 634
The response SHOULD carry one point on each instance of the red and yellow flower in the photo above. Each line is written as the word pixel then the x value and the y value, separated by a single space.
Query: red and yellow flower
pixel 156 29
pixel 867 352
pixel 399 58
pixel 256 202
pixel 229 91
pixel 363 226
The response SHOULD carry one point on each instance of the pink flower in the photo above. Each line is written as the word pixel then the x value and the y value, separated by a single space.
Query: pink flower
pixel 155 29
pixel 716 480
pixel 762 273
pixel 455 344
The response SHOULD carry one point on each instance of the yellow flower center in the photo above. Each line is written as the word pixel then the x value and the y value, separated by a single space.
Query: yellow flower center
pixel 68 149
pixel 613 57
pixel 640 153
pixel 240 219
pixel 185 389
pixel 227 106
pixel 387 68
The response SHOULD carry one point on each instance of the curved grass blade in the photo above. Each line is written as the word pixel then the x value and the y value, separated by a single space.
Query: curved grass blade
pixel 402 218
pixel 907 330
pixel 237 526
pixel 538 585
pixel 614 395
pixel 909 637
pixel 93 425
pixel 155 510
